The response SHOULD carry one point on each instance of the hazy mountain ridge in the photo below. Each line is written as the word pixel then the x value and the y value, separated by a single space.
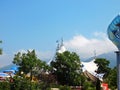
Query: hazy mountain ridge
pixel 7 67
pixel 111 56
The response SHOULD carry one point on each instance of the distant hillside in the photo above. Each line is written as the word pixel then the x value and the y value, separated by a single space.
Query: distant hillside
pixel 7 67
pixel 111 56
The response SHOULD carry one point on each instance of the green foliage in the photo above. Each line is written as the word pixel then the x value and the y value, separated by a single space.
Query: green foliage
pixel 26 61
pixel 48 79
pixel 64 87
pixel 0 49
pixel 103 66
pixel 66 68
pixel 29 63
pixel 21 83
pixel 89 86
pixel 60 87
pixel 4 86
pixel 112 78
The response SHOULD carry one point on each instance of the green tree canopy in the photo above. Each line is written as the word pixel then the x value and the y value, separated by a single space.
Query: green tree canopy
pixel 29 63
pixel 66 67
pixel 112 78
pixel 0 49
pixel 103 66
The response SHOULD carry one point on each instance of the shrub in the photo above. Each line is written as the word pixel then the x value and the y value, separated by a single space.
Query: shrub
pixel 4 86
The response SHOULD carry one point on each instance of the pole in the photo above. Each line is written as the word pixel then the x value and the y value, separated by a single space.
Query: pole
pixel 118 69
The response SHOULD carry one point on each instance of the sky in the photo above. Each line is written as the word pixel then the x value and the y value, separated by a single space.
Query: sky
pixel 38 24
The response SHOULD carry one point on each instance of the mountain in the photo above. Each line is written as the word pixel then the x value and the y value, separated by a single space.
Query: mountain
pixel 111 56
pixel 7 67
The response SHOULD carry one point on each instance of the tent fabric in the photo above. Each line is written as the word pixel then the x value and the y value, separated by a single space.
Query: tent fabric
pixel 4 75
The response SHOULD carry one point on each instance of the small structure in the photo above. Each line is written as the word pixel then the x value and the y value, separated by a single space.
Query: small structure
pixel 104 86
pixel 89 69
pixel 3 76
pixel 60 49
pixel 8 74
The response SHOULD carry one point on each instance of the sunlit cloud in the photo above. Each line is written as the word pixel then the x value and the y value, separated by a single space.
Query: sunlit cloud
pixel 80 44
pixel 85 47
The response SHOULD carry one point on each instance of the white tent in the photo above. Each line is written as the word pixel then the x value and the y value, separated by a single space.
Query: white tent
pixel 91 67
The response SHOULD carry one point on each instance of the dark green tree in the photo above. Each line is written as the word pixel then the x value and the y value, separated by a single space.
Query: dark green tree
pixel 0 49
pixel 67 69
pixel 103 66
pixel 29 63
pixel 112 78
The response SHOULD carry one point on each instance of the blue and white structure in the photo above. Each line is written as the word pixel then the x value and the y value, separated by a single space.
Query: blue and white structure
pixel 114 35
pixel 114 31
pixel 7 73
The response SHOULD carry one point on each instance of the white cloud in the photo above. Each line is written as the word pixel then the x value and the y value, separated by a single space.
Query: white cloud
pixel 85 47
pixel 80 44
pixel 100 34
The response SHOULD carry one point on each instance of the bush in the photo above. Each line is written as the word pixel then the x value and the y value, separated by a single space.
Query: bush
pixel 4 86
pixel 89 86
pixel 24 84
pixel 65 87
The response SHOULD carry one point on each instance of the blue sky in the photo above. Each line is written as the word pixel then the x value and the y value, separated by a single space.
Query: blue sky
pixel 37 24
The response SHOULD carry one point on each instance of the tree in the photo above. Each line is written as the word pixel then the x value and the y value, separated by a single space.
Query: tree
pixel 29 63
pixel 0 49
pixel 112 78
pixel 66 67
pixel 103 66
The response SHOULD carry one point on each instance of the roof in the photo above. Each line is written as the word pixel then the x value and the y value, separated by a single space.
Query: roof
pixel 89 66
pixel 4 75
pixel 90 76
pixel 89 69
